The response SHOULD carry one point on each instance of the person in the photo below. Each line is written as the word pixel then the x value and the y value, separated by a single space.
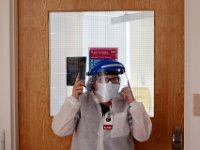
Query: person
pixel 102 118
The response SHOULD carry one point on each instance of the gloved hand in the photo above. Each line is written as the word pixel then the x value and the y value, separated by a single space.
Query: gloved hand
pixel 78 87
pixel 127 95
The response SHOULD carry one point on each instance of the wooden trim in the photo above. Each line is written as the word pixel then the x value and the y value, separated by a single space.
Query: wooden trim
pixel 33 66
pixel 14 75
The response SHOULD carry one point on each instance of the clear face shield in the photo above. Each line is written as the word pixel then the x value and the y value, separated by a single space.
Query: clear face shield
pixel 109 86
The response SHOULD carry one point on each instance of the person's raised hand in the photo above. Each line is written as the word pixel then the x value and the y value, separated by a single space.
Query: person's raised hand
pixel 78 87
pixel 127 95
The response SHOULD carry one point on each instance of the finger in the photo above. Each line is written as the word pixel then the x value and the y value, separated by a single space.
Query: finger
pixel 125 92
pixel 79 83
pixel 124 97
pixel 77 77
pixel 123 89
pixel 79 88
pixel 122 92
pixel 82 83
pixel 79 91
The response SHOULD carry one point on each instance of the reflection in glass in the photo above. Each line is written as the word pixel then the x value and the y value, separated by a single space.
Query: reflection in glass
pixel 130 32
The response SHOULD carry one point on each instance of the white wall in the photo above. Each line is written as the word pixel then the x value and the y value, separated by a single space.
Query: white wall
pixel 192 72
pixel 141 57
pixel 5 98
pixel 65 41
pixel 7 59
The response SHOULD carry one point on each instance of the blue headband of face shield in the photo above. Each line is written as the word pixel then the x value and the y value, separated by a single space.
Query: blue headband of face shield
pixel 107 67
pixel 104 67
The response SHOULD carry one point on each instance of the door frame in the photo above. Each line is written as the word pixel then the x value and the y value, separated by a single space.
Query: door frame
pixel 13 41
pixel 14 73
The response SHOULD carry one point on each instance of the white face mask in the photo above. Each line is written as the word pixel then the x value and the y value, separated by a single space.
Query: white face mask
pixel 107 91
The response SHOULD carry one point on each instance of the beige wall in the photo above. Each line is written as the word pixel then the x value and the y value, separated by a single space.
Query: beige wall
pixel 192 72
pixel 5 98
pixel 7 59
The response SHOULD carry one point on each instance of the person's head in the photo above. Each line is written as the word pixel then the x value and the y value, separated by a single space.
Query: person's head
pixel 105 78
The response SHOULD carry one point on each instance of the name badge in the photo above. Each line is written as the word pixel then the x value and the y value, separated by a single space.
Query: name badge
pixel 108 121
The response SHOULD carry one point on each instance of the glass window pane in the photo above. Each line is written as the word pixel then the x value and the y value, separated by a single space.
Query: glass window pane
pixel 131 33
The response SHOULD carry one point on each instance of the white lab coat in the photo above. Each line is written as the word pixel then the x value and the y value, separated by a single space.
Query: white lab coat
pixel 83 119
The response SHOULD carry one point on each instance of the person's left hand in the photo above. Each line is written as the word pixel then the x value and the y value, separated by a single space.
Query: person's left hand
pixel 127 95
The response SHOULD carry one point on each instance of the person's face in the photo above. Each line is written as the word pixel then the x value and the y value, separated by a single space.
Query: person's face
pixel 114 79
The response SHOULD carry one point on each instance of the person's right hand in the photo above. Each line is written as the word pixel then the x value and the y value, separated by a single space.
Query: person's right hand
pixel 78 87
